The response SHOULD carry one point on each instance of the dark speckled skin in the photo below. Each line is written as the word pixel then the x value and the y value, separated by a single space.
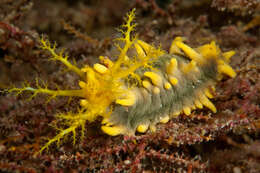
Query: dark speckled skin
pixel 150 108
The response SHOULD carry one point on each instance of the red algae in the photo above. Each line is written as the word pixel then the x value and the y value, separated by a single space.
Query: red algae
pixel 197 143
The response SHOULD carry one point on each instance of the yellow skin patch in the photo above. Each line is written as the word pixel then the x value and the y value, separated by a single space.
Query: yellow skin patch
pixel 192 54
pixel 139 50
pixel 83 102
pixel 82 84
pixel 205 101
pixel 228 55
pixel 142 128
pixel 172 66
pixel 176 114
pixel 147 84
pixel 209 50
pixel 105 121
pixel 189 67
pixel 174 49
pixel 187 110
pixel 226 69
pixel 100 68
pixel 112 131
pixel 155 78
pixel 156 90
pixel 167 86
pixel 106 61
pixel 193 107
pixel 165 119
pixel 208 94
pixel 128 101
pixel 173 80
pixel 147 47
pixel 198 104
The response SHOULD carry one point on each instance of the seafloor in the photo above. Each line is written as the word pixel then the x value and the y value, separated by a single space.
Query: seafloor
pixel 227 141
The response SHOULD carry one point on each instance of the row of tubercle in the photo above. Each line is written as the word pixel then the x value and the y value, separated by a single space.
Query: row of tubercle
pixel 154 82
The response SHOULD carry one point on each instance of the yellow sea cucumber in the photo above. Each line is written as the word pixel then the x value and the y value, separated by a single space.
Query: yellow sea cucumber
pixel 136 92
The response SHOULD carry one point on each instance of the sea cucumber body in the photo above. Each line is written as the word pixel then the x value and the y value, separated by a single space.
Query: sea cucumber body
pixel 143 86
pixel 151 107
pixel 176 82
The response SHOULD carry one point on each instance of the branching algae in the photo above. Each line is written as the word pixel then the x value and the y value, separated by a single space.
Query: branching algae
pixel 144 86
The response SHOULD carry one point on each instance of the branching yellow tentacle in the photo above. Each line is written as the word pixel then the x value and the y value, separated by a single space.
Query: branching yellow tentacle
pixel 52 93
pixel 59 56
pixel 126 39
pixel 72 122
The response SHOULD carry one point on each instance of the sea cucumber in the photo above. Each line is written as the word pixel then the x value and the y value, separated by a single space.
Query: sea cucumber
pixel 144 86
pixel 180 81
